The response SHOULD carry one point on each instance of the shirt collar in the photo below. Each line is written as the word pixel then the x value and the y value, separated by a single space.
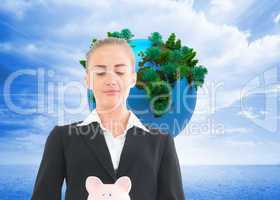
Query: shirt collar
pixel 132 121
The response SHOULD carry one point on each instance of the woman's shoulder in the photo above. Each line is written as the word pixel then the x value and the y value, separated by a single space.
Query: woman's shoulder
pixel 60 133
pixel 63 130
pixel 160 134
pixel 68 125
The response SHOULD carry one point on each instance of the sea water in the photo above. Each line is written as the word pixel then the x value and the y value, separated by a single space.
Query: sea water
pixel 200 182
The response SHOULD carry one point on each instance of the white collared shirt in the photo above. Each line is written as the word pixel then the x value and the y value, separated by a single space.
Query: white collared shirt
pixel 114 144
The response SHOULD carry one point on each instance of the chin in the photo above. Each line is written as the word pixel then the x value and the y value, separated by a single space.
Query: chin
pixel 113 104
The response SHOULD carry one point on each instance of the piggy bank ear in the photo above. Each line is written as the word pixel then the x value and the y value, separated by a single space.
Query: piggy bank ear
pixel 93 183
pixel 124 183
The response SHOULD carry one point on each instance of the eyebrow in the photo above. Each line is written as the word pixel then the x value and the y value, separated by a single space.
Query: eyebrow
pixel 117 65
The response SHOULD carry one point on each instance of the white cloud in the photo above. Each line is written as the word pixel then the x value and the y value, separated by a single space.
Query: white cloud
pixel 277 19
pixel 18 8
pixel 5 47
pixel 225 6
pixel 31 142
pixel 253 55
pixel 223 48
pixel 44 52
pixel 248 113
pixel 202 150
pixel 220 47
pixel 227 11
pixel 192 27
pixel 238 130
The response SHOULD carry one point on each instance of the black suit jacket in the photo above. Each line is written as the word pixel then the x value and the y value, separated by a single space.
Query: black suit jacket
pixel 75 152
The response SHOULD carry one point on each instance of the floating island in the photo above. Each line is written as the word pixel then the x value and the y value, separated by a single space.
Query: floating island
pixel 161 65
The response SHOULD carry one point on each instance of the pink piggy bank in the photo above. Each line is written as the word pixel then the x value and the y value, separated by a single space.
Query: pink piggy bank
pixel 99 191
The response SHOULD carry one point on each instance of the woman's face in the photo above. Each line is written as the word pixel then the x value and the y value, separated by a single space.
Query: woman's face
pixel 110 76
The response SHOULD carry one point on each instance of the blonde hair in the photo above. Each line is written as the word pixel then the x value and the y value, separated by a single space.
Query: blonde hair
pixel 111 41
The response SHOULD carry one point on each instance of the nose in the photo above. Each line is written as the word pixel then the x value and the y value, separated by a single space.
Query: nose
pixel 111 80
pixel 111 84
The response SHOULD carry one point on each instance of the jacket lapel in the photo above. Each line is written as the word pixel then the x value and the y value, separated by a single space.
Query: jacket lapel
pixel 94 139
pixel 130 147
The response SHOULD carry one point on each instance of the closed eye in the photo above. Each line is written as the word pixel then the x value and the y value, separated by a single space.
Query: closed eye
pixel 103 73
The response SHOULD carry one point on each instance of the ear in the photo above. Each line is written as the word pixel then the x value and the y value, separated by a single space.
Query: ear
pixel 124 183
pixel 133 79
pixel 93 183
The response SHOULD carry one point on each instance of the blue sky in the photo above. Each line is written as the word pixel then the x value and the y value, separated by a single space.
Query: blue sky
pixel 238 41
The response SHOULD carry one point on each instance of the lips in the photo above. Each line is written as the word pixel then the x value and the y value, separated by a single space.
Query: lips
pixel 109 92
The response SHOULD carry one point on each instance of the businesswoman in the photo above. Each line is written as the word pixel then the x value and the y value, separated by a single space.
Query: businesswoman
pixel 111 142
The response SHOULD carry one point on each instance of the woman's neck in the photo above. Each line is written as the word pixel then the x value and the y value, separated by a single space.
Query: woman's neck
pixel 114 120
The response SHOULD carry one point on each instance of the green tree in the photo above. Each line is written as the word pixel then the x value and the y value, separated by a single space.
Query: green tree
pixel 187 56
pixel 184 70
pixel 126 34
pixel 156 39
pixel 114 34
pixel 193 63
pixel 83 63
pixel 198 74
pixel 93 42
pixel 170 71
pixel 159 93
pixel 170 43
pixel 178 44
pixel 149 74
pixel 175 56
pixel 165 55
pixel 146 75
pixel 153 54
